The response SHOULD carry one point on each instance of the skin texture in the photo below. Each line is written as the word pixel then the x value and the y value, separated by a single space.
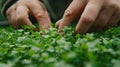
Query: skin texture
pixel 94 15
pixel 18 14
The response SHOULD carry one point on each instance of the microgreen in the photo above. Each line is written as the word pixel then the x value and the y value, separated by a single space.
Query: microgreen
pixel 28 48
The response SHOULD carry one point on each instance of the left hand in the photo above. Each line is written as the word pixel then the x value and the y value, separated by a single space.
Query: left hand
pixel 19 14
pixel 94 15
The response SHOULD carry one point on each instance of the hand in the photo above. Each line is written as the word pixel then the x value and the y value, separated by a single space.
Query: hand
pixel 18 14
pixel 94 15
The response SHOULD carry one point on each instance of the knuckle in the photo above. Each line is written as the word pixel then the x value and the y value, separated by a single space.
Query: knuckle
pixel 21 17
pixel 113 4
pixel 40 15
pixel 8 12
pixel 68 13
pixel 87 20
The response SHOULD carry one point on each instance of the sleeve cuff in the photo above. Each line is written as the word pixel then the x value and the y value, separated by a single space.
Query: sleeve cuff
pixel 6 5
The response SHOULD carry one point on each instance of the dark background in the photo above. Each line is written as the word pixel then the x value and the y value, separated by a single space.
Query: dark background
pixel 1 17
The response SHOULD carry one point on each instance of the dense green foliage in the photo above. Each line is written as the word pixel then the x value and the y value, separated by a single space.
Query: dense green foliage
pixel 25 48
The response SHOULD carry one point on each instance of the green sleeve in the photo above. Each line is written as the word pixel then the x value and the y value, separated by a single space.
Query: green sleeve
pixel 56 8
pixel 5 4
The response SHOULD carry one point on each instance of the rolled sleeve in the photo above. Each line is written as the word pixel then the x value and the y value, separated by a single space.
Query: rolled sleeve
pixel 5 4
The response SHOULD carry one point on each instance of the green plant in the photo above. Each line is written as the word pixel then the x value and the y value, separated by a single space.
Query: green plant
pixel 26 48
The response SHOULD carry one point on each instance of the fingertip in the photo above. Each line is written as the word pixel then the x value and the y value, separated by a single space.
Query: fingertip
pixel 77 31
pixel 44 27
pixel 35 29
pixel 16 26
pixel 57 24
pixel 80 30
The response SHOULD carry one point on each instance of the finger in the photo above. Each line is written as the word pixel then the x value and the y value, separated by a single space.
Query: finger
pixel 11 16
pixel 57 24
pixel 72 12
pixel 114 20
pixel 104 17
pixel 89 15
pixel 22 15
pixel 41 15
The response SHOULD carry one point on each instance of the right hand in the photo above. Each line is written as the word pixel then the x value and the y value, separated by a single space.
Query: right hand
pixel 95 15
pixel 18 14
